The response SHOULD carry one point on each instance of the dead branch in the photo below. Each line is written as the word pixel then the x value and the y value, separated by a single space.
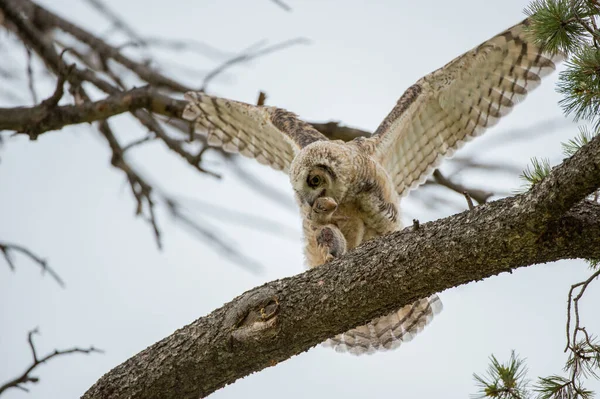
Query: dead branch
pixel 6 249
pixel 117 22
pixel 26 377
pixel 247 56
pixel 478 195
pixel 207 234
pixel 40 15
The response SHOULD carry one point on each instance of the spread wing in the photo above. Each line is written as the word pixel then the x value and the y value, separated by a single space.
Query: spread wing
pixel 457 102
pixel 271 135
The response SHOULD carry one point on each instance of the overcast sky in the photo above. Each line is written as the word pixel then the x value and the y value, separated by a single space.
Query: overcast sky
pixel 60 197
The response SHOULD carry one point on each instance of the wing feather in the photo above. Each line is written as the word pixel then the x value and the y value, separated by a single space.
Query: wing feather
pixel 388 332
pixel 272 136
pixel 457 102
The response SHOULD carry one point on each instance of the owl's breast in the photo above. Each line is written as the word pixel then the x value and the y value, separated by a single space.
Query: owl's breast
pixel 349 220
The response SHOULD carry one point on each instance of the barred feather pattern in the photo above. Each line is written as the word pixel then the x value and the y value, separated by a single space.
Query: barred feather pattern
pixel 388 332
pixel 457 102
pixel 273 136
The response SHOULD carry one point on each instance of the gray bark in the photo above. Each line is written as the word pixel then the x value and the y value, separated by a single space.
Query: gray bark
pixel 282 318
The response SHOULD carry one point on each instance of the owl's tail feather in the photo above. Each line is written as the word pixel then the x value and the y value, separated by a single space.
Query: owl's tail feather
pixel 388 332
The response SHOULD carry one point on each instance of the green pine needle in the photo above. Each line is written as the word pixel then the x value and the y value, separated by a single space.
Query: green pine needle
pixel 573 145
pixel 554 387
pixel 580 84
pixel 534 174
pixel 503 381
pixel 594 265
pixel 554 24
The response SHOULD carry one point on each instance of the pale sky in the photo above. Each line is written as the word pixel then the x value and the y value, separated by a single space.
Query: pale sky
pixel 60 197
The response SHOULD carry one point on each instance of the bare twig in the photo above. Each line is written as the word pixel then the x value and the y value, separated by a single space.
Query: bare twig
pixel 117 22
pixel 224 214
pixel 416 224
pixel 469 200
pixel 30 77
pixel 218 243
pixel 478 195
pixel 262 98
pixel 141 190
pixel 336 131
pixel 264 189
pixel 196 46
pixel 573 303
pixel 26 377
pixel 282 5
pixel 248 56
pixel 135 143
pixel 103 49
pixel 6 249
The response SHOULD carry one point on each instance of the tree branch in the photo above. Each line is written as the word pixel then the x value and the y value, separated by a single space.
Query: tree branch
pixel 41 16
pixel 271 323
pixel 6 249
pixel 40 119
pixel 26 377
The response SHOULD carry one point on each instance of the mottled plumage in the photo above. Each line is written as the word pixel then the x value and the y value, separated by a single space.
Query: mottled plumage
pixel 350 192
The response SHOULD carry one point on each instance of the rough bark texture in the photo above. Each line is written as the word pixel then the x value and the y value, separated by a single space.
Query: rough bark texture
pixel 282 318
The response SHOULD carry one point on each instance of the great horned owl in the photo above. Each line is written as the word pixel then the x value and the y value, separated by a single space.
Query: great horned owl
pixel 349 192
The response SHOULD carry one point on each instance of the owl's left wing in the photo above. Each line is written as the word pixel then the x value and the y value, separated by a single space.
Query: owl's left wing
pixel 271 135
pixel 457 102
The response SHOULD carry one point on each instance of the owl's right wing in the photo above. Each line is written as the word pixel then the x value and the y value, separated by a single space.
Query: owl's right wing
pixel 457 102
pixel 271 135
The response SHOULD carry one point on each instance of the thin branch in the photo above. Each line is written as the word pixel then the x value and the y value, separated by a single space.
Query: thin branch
pixel 41 15
pixel 224 214
pixel 30 77
pixel 248 56
pixel 583 285
pixel 193 45
pixel 282 5
pixel 6 249
pixel 218 243
pixel 469 200
pixel 140 188
pixel 336 131
pixel 260 186
pixel 117 22
pixel 26 377
pixel 478 195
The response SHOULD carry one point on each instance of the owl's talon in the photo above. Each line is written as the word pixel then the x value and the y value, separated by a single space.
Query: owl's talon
pixel 332 239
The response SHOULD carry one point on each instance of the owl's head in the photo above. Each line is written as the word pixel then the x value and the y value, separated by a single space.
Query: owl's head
pixel 323 169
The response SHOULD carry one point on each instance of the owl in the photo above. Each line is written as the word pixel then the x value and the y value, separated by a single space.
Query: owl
pixel 349 192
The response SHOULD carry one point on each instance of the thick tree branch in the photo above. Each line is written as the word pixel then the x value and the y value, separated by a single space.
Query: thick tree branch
pixel 40 118
pixel 282 318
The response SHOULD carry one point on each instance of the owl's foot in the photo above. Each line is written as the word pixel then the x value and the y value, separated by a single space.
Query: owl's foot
pixel 322 210
pixel 332 241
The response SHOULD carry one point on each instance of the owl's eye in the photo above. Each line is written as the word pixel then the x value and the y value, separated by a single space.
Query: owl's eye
pixel 314 181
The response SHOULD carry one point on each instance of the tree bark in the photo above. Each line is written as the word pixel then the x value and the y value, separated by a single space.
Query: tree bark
pixel 282 318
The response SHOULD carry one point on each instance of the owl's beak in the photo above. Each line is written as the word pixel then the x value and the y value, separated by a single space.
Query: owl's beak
pixel 310 199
